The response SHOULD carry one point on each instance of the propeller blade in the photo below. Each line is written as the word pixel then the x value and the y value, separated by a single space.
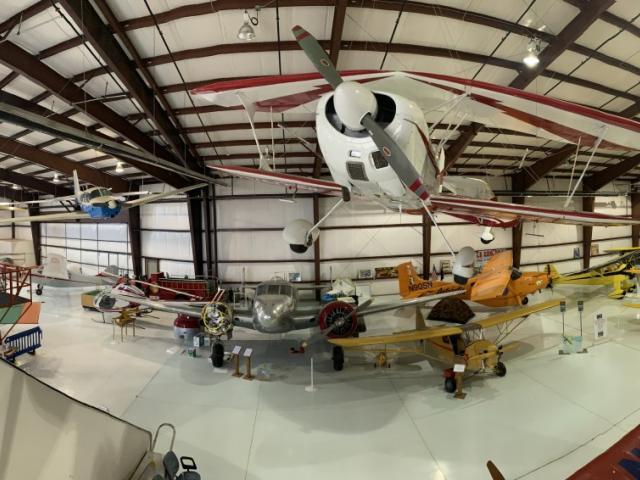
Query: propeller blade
pixel 494 472
pixel 317 55
pixel 396 158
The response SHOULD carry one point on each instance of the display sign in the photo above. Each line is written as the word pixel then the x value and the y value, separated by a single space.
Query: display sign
pixel 600 326
pixel 236 350
pixel 248 352
pixel 459 367
pixel 386 272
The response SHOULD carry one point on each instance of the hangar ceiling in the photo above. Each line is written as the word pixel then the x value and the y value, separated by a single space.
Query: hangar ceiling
pixel 123 69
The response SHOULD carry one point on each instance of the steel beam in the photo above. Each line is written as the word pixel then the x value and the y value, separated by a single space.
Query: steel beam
pixel 34 183
pixel 27 65
pixel 316 246
pixel 208 247
pixel 36 234
pixel 455 149
pixel 528 176
pixel 635 213
pixel 194 205
pixel 588 204
pixel 61 164
pixel 426 245
pixel 135 240
pixel 569 34
pixel 101 38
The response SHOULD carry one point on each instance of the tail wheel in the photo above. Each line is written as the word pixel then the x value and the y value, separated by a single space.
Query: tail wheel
pixel 217 355
pixel 500 369
pixel 338 358
pixel 334 316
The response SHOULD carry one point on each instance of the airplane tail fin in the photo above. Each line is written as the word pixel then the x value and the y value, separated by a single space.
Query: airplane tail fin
pixel 552 271
pixel 407 276
pixel 76 185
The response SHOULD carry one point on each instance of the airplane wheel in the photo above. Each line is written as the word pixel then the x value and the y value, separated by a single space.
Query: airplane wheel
pixel 38 290
pixel 217 355
pixel 449 385
pixel 525 300
pixel 338 358
pixel 500 369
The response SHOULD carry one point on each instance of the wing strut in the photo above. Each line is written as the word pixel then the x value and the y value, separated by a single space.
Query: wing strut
pixel 593 152
pixel 433 220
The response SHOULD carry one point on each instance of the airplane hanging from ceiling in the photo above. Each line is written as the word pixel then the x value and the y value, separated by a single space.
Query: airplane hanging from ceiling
pixel 96 203
pixel 374 137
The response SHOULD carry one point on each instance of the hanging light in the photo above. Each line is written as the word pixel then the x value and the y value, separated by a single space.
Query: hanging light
pixel 119 167
pixel 533 50
pixel 246 31
pixel 56 178
pixel 15 187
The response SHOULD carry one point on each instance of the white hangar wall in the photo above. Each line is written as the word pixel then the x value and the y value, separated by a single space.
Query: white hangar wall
pixel 361 236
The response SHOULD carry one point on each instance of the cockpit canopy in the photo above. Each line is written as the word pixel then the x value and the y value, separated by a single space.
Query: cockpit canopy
pixel 274 289
pixel 94 193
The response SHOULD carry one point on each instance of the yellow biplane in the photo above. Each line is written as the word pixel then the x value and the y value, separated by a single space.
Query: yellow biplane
pixel 457 347
pixel 616 272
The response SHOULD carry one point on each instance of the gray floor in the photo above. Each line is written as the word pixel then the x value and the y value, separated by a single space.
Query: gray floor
pixel 546 418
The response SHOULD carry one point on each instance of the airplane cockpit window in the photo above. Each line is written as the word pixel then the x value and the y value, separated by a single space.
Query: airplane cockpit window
pixel 286 290
pixel 99 192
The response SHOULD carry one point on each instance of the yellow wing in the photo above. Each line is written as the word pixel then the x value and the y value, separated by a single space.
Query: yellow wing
pixel 442 331
pixel 498 263
pixel 622 249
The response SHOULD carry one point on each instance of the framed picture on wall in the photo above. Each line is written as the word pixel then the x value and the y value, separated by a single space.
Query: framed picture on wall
pixel 295 277
pixel 445 266
pixel 595 249
pixel 386 272
pixel 365 274
pixel 576 252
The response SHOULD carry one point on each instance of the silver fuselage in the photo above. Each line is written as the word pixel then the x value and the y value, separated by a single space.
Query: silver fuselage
pixel 273 307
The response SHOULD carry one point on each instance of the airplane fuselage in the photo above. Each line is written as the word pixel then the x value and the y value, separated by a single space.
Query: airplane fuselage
pixel 101 210
pixel 355 162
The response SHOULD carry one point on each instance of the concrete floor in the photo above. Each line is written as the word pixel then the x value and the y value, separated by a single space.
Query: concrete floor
pixel 546 418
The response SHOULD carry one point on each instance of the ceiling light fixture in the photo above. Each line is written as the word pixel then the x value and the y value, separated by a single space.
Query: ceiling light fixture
pixel 56 178
pixel 119 167
pixel 246 31
pixel 15 187
pixel 533 50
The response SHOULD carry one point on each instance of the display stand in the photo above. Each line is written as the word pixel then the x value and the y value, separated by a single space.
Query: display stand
pixel 311 388
pixel 574 344
pixel 236 359
pixel 459 368
pixel 247 355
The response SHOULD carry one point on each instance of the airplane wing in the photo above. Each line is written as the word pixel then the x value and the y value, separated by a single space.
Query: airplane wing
pixel 386 307
pixel 292 182
pixel 494 277
pixel 445 330
pixel 46 217
pixel 158 196
pixel 49 200
pixel 191 309
pixel 500 106
pixel 500 214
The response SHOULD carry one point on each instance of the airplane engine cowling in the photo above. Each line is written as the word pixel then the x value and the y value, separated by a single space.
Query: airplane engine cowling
pixel 463 265
pixel 296 234
pixel 334 313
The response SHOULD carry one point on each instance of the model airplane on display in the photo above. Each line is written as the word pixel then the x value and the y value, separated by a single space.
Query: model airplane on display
pixel 55 273
pixel 374 137
pixel 617 273
pixel 449 345
pixel 96 203
pixel 497 285
pixel 275 308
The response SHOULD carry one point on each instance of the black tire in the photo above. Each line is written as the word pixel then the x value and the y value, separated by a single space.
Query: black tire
pixel 217 355
pixel 525 300
pixel 500 369
pixel 38 291
pixel 449 385
pixel 338 358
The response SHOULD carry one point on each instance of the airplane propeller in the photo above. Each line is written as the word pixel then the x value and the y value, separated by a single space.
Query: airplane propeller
pixel 356 106
pixel 323 334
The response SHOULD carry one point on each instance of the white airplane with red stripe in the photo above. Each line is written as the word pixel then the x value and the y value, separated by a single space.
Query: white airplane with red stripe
pixel 375 140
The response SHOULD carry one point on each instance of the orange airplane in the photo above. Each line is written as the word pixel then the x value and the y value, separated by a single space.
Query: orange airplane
pixel 497 285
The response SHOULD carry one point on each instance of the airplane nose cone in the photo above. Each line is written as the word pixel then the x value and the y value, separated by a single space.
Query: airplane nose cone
pixel 112 204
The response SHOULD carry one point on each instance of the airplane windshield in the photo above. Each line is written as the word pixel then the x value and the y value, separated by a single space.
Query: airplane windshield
pixel 99 192
pixel 274 289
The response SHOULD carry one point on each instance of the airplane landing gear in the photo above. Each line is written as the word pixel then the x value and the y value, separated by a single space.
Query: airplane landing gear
pixel 500 369
pixel 338 358
pixel 217 354
pixel 382 361
pixel 449 385
pixel 487 237
pixel 38 289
